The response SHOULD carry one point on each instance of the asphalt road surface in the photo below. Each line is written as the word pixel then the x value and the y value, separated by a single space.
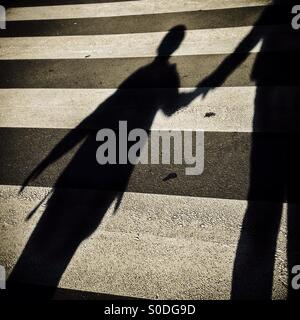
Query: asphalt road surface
pixel 170 236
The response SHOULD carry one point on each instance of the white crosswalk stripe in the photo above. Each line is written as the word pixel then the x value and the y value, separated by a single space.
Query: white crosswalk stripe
pixel 214 41
pixel 124 9
pixel 70 106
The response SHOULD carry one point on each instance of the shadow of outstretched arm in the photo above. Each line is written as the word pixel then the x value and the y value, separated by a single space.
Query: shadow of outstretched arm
pixel 223 71
pixel 228 65
pixel 233 61
pixel 64 146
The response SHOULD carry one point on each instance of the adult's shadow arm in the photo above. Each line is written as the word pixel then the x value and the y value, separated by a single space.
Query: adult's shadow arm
pixel 223 71
pixel 232 62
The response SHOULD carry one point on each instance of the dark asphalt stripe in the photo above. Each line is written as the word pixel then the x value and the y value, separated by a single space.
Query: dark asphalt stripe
pixel 110 73
pixel 226 173
pixel 36 3
pixel 224 18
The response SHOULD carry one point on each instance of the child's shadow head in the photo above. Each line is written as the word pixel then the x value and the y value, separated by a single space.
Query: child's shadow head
pixel 171 41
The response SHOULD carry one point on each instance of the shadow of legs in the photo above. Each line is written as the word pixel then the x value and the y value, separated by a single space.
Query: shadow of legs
pixel 293 247
pixel 71 216
pixel 255 256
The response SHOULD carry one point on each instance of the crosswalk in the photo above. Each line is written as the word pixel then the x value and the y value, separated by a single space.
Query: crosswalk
pixel 174 239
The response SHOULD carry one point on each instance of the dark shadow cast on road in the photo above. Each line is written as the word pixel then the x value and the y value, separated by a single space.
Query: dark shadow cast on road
pixel 72 216
pixel 274 160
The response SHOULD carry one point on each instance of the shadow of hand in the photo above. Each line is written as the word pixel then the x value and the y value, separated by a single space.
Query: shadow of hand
pixel 208 84
pixel 201 90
